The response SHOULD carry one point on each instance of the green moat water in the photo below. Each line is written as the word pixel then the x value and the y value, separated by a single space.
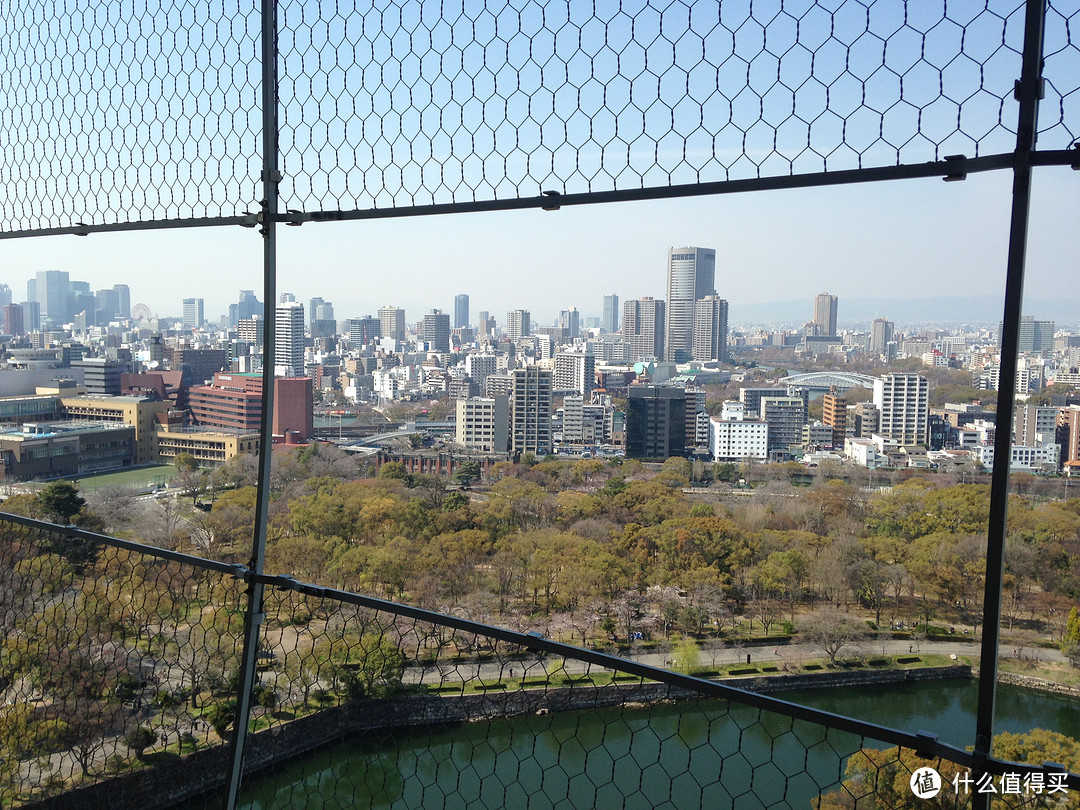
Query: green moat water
pixel 693 754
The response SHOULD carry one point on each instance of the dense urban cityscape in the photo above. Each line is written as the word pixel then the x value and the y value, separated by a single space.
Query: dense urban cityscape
pixel 92 382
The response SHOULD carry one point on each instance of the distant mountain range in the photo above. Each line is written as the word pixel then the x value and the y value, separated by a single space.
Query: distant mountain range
pixel 858 313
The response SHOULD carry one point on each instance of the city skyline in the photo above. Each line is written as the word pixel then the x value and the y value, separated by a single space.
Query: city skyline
pixel 791 249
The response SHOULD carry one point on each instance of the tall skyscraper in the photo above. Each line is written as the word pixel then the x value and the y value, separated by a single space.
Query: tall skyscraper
pixel 530 411
pixel 643 328
pixel 193 313
pixel 825 314
pixel 52 287
pixel 123 300
pixel 436 330
pixel 108 305
pixel 5 295
pixel 13 323
pixel 570 322
pixel 247 307
pixel 610 321
pixel 881 335
pixel 289 339
pixel 461 310
pixel 691 275
pixel 486 324
pixel 518 324
pixel 392 322
pixel 710 328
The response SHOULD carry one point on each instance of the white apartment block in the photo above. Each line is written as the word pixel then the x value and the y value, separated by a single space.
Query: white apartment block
pixel 479 366
pixel 575 371
pixel 733 438
pixel 1023 459
pixel 483 423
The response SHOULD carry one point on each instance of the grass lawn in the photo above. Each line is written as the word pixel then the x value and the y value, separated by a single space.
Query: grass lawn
pixel 141 478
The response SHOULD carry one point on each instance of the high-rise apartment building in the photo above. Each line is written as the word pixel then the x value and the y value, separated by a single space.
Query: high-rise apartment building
pixel 691 275
pixel 518 324
pixel 643 328
pixel 13 319
pixel 250 331
pixel 733 437
pixel 392 323
pixel 486 325
pixel 825 314
pixel 786 416
pixel 193 313
pixel 478 367
pixel 575 372
pixel 436 330
pixel 483 423
pixel 461 310
pixel 610 321
pixel 903 401
pixel 530 411
pixel 710 328
pixel 834 414
pixel 1034 425
pixel 289 339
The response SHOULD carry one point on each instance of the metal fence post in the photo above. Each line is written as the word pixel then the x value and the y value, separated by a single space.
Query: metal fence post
pixel 268 229
pixel 1028 92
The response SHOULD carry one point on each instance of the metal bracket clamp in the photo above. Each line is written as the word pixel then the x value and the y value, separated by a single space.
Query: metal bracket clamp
pixel 552 203
pixel 956 168
pixel 928 743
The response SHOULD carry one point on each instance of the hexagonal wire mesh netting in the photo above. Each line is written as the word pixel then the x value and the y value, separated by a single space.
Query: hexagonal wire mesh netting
pixel 401 103
pixel 121 665
pixel 111 661
pixel 129 110
pixel 137 110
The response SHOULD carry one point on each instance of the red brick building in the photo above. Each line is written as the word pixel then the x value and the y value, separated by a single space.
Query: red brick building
pixel 235 401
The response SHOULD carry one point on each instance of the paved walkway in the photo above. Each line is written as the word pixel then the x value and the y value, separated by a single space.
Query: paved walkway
pixel 791 654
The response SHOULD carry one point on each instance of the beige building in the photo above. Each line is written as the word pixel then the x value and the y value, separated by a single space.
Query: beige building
pixel 483 423
pixel 139 412
pixel 207 446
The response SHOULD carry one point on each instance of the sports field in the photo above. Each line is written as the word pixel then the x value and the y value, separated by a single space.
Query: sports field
pixel 141 478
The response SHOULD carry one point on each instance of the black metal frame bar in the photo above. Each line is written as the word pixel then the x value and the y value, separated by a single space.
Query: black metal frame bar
pixel 955 167
pixel 1028 92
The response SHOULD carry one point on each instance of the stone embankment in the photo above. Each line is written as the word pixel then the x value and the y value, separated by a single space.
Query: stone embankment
pixel 202 771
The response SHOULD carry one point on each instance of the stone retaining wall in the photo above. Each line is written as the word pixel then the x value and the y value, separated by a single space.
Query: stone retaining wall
pixel 203 771
pixel 1030 682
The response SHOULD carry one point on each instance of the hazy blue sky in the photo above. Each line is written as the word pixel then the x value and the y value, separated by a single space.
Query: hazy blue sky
pixel 906 239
